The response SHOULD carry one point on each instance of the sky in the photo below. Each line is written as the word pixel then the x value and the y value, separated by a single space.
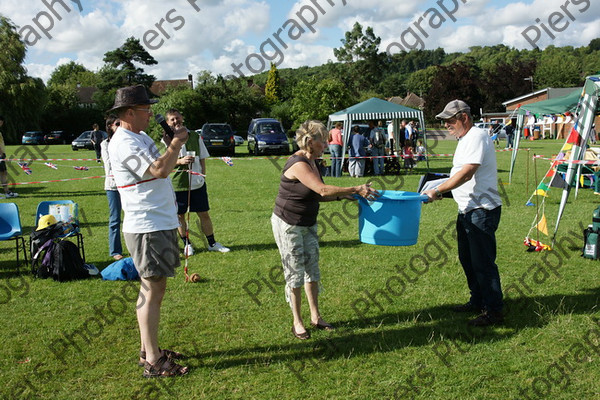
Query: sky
pixel 242 37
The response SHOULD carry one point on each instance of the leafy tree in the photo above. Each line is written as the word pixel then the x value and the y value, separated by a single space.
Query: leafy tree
pixel 594 45
pixel 558 67
pixel 123 59
pixel 455 81
pixel 22 96
pixel 358 45
pixel 72 74
pixel 120 70
pixel 316 99
pixel 419 82
pixel 272 88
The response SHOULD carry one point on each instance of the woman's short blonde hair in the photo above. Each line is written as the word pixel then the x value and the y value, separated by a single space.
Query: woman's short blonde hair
pixel 311 129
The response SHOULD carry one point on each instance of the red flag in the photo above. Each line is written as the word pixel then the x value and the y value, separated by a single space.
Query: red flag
pixel 574 138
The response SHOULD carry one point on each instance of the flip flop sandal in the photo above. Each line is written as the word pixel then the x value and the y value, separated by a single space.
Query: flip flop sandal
pixel 163 368
pixel 171 354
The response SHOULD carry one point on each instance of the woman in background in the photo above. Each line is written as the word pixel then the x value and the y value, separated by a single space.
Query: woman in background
pixel 114 200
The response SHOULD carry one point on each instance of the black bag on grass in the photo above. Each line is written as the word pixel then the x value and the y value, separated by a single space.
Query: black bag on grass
pixel 61 261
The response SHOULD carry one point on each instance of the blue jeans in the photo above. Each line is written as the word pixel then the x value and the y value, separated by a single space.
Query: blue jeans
pixel 114 222
pixel 378 163
pixel 476 234
pixel 336 160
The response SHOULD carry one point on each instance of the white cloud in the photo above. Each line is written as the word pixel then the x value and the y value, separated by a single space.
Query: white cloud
pixel 228 31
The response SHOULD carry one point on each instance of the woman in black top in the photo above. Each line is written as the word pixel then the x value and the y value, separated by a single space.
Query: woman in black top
pixel 294 221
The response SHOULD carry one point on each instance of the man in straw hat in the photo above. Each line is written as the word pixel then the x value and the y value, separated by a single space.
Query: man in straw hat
pixel 473 182
pixel 150 222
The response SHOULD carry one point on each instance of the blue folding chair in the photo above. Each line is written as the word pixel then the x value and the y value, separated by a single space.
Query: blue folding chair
pixel 72 217
pixel 10 228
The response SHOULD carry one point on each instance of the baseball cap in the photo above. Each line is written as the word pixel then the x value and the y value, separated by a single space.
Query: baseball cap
pixel 453 108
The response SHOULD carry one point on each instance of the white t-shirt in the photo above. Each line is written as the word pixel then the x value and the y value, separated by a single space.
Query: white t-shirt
pixel 148 202
pixel 475 147
pixel 109 180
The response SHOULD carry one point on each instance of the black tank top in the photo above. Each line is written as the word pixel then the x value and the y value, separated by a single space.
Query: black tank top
pixel 296 204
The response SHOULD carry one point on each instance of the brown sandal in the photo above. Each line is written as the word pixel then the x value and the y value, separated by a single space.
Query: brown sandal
pixel 164 367
pixel 171 354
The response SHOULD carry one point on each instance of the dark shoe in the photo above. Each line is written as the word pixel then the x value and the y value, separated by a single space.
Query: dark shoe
pixel 301 336
pixel 487 319
pixel 171 355
pixel 323 326
pixel 164 367
pixel 467 307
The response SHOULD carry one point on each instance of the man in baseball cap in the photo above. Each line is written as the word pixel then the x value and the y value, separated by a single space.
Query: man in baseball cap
pixel 473 182
pixel 150 223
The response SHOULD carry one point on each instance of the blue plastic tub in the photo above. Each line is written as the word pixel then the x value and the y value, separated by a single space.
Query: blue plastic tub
pixel 391 220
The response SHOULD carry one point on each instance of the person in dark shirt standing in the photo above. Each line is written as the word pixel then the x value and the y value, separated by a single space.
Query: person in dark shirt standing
pixel 97 137
pixel 294 222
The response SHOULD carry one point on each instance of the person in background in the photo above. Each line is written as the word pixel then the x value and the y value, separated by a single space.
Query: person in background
pixel 198 195
pixel 510 134
pixel 357 153
pixel 3 171
pixel 474 185
pixel 408 156
pixel 335 148
pixel 115 248
pixel 420 150
pixel 377 139
pixel 97 137
pixel 391 138
pixel 294 222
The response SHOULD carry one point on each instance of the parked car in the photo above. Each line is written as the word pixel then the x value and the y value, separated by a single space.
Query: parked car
pixel 33 137
pixel 84 141
pixel 56 137
pixel 238 140
pixel 498 128
pixel 266 135
pixel 218 138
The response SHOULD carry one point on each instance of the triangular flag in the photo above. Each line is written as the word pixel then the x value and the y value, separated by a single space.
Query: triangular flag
pixel 542 226
pixel 543 186
pixel 541 192
pixel 574 138
pixel 558 182
pixel 550 174
pixel 567 147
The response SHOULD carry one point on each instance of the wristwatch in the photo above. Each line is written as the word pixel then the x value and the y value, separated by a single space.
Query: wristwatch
pixel 438 194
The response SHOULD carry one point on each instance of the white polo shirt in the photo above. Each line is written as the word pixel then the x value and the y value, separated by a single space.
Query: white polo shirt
pixel 149 203
pixel 476 147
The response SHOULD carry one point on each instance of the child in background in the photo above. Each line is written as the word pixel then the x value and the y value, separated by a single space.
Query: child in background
pixel 408 156
pixel 420 150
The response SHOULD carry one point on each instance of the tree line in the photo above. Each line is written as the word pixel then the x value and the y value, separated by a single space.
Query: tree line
pixel 485 76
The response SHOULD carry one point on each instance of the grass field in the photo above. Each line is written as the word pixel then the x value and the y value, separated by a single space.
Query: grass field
pixel 396 337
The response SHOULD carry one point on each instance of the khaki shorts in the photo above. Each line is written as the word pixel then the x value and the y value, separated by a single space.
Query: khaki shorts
pixel 155 254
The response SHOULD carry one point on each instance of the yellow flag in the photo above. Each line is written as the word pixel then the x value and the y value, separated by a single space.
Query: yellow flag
pixel 567 147
pixel 541 192
pixel 542 226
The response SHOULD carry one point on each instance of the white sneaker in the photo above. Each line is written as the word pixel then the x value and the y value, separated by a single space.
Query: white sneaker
pixel 218 247
pixel 188 250
pixel 11 194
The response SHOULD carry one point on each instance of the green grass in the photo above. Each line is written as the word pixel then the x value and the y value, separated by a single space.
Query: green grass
pixel 406 345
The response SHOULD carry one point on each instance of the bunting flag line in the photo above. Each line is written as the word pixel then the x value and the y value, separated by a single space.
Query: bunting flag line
pixel 227 161
pixel 25 168
pixel 574 137
pixel 541 192
pixel 558 181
